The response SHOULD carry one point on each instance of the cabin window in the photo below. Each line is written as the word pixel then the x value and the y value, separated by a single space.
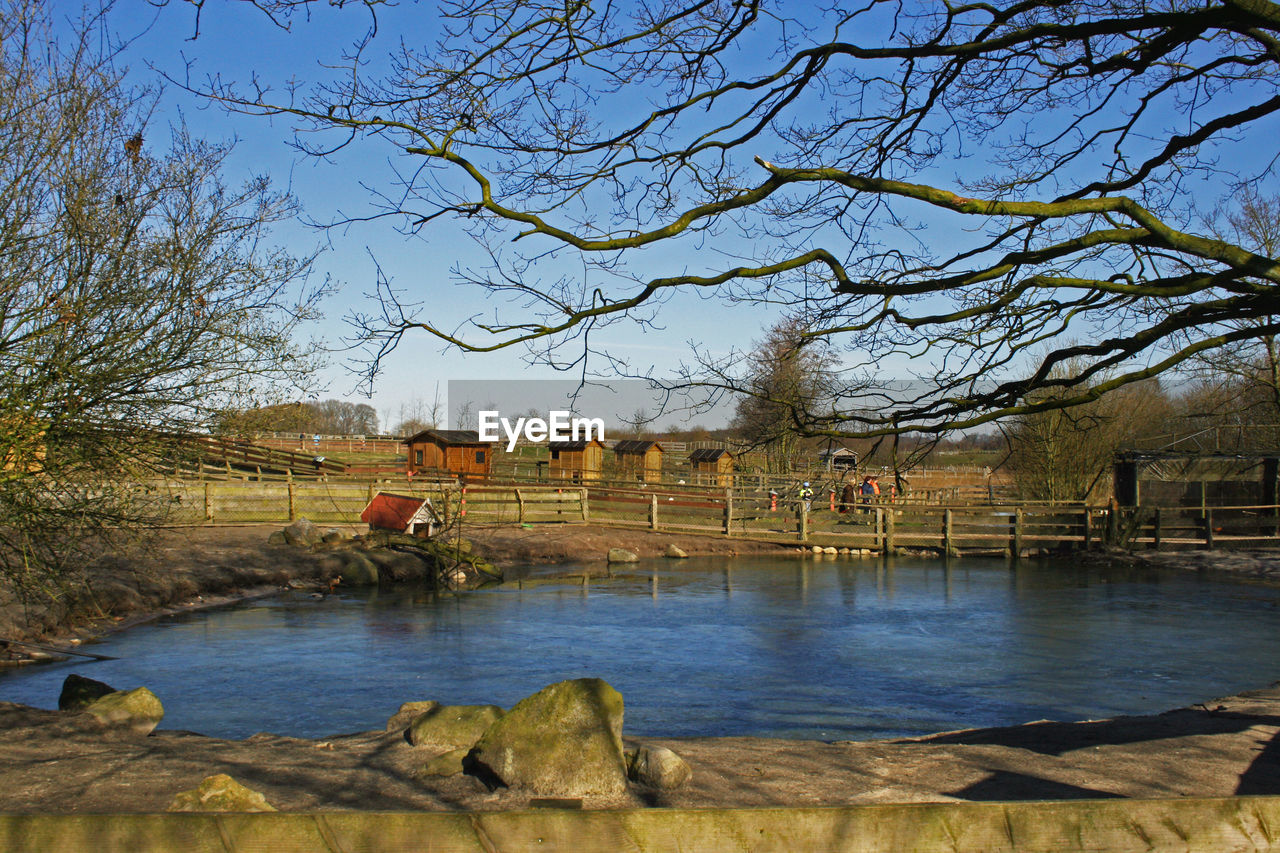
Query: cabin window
pixel 417 457
pixel 555 454
pixel 479 457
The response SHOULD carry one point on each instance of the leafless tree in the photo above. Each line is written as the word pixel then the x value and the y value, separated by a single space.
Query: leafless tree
pixel 955 187
pixel 1067 454
pixel 139 297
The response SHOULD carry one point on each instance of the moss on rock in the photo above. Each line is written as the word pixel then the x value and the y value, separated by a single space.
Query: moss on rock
pixel 563 741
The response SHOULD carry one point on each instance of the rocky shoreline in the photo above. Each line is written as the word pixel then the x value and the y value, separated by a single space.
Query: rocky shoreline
pixel 190 568
pixel 91 759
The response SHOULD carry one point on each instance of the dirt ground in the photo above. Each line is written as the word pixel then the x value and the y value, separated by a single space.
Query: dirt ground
pixel 63 762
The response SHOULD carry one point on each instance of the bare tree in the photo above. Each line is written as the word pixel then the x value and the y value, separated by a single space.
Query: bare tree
pixel 820 150
pixel 1067 454
pixel 788 386
pixel 139 297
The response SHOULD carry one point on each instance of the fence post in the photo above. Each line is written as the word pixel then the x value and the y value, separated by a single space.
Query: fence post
pixel 1208 529
pixel 888 531
pixel 208 501
pixel 293 504
pixel 653 512
pixel 519 507
pixel 1088 527
pixel 947 548
pixel 803 515
pixel 879 537
pixel 373 492
pixel 1157 529
pixel 1015 540
pixel 586 510
pixel 728 510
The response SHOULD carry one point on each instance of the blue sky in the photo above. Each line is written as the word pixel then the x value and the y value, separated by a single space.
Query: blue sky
pixel 236 41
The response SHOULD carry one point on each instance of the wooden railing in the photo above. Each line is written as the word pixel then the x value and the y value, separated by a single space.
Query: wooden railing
pixel 880 525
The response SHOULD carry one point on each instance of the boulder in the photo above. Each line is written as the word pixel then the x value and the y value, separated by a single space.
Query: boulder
pixel 447 727
pixel 817 549
pixel 674 552
pixel 830 550
pixel 358 570
pixel 332 535
pixel 447 763
pixel 78 691
pixel 563 741
pixel 658 767
pixel 407 712
pixel 137 709
pixel 220 793
pixel 277 538
pixel 621 555
pixel 301 533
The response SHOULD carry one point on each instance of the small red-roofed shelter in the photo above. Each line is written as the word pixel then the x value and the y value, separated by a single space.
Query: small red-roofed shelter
pixel 401 513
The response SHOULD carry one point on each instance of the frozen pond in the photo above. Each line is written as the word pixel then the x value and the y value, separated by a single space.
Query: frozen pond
pixel 833 650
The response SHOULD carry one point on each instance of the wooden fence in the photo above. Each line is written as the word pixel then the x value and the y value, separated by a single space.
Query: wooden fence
pixel 880 526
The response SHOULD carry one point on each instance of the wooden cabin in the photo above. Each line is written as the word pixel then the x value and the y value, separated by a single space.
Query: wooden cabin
pixel 712 466
pixel 575 461
pixel 839 459
pixel 639 460
pixel 458 452
pixel 402 513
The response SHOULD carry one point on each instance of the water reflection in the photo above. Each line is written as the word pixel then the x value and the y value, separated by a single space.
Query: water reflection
pixel 829 649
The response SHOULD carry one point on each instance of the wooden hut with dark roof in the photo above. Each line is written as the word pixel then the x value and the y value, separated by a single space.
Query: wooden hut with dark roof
pixel 712 466
pixel 458 452
pixel 639 460
pixel 576 461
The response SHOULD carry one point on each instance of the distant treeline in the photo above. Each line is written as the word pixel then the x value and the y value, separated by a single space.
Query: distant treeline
pixel 327 417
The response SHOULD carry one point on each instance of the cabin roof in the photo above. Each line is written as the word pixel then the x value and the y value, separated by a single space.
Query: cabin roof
pixel 635 445
pixel 449 436
pixel 581 444
pixel 709 454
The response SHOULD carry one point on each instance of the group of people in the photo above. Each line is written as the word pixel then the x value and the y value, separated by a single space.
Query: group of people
pixel 867 492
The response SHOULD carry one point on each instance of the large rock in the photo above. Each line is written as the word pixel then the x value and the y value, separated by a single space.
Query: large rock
pixel 658 767
pixel 408 712
pixel 137 709
pixel 358 570
pixel 563 741
pixel 447 727
pixel 302 533
pixel 621 555
pixel 675 552
pixel 78 691
pixel 220 793
pixel 447 763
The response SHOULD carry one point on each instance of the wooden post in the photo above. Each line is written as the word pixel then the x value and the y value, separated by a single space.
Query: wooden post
pixel 1157 529
pixel 519 507
pixel 947 548
pixel 804 521
pixel 1208 529
pixel 1015 544
pixel 879 537
pixel 293 503
pixel 728 510
pixel 586 510
pixel 653 512
pixel 888 531
pixel 208 501
pixel 1088 528
pixel 372 493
